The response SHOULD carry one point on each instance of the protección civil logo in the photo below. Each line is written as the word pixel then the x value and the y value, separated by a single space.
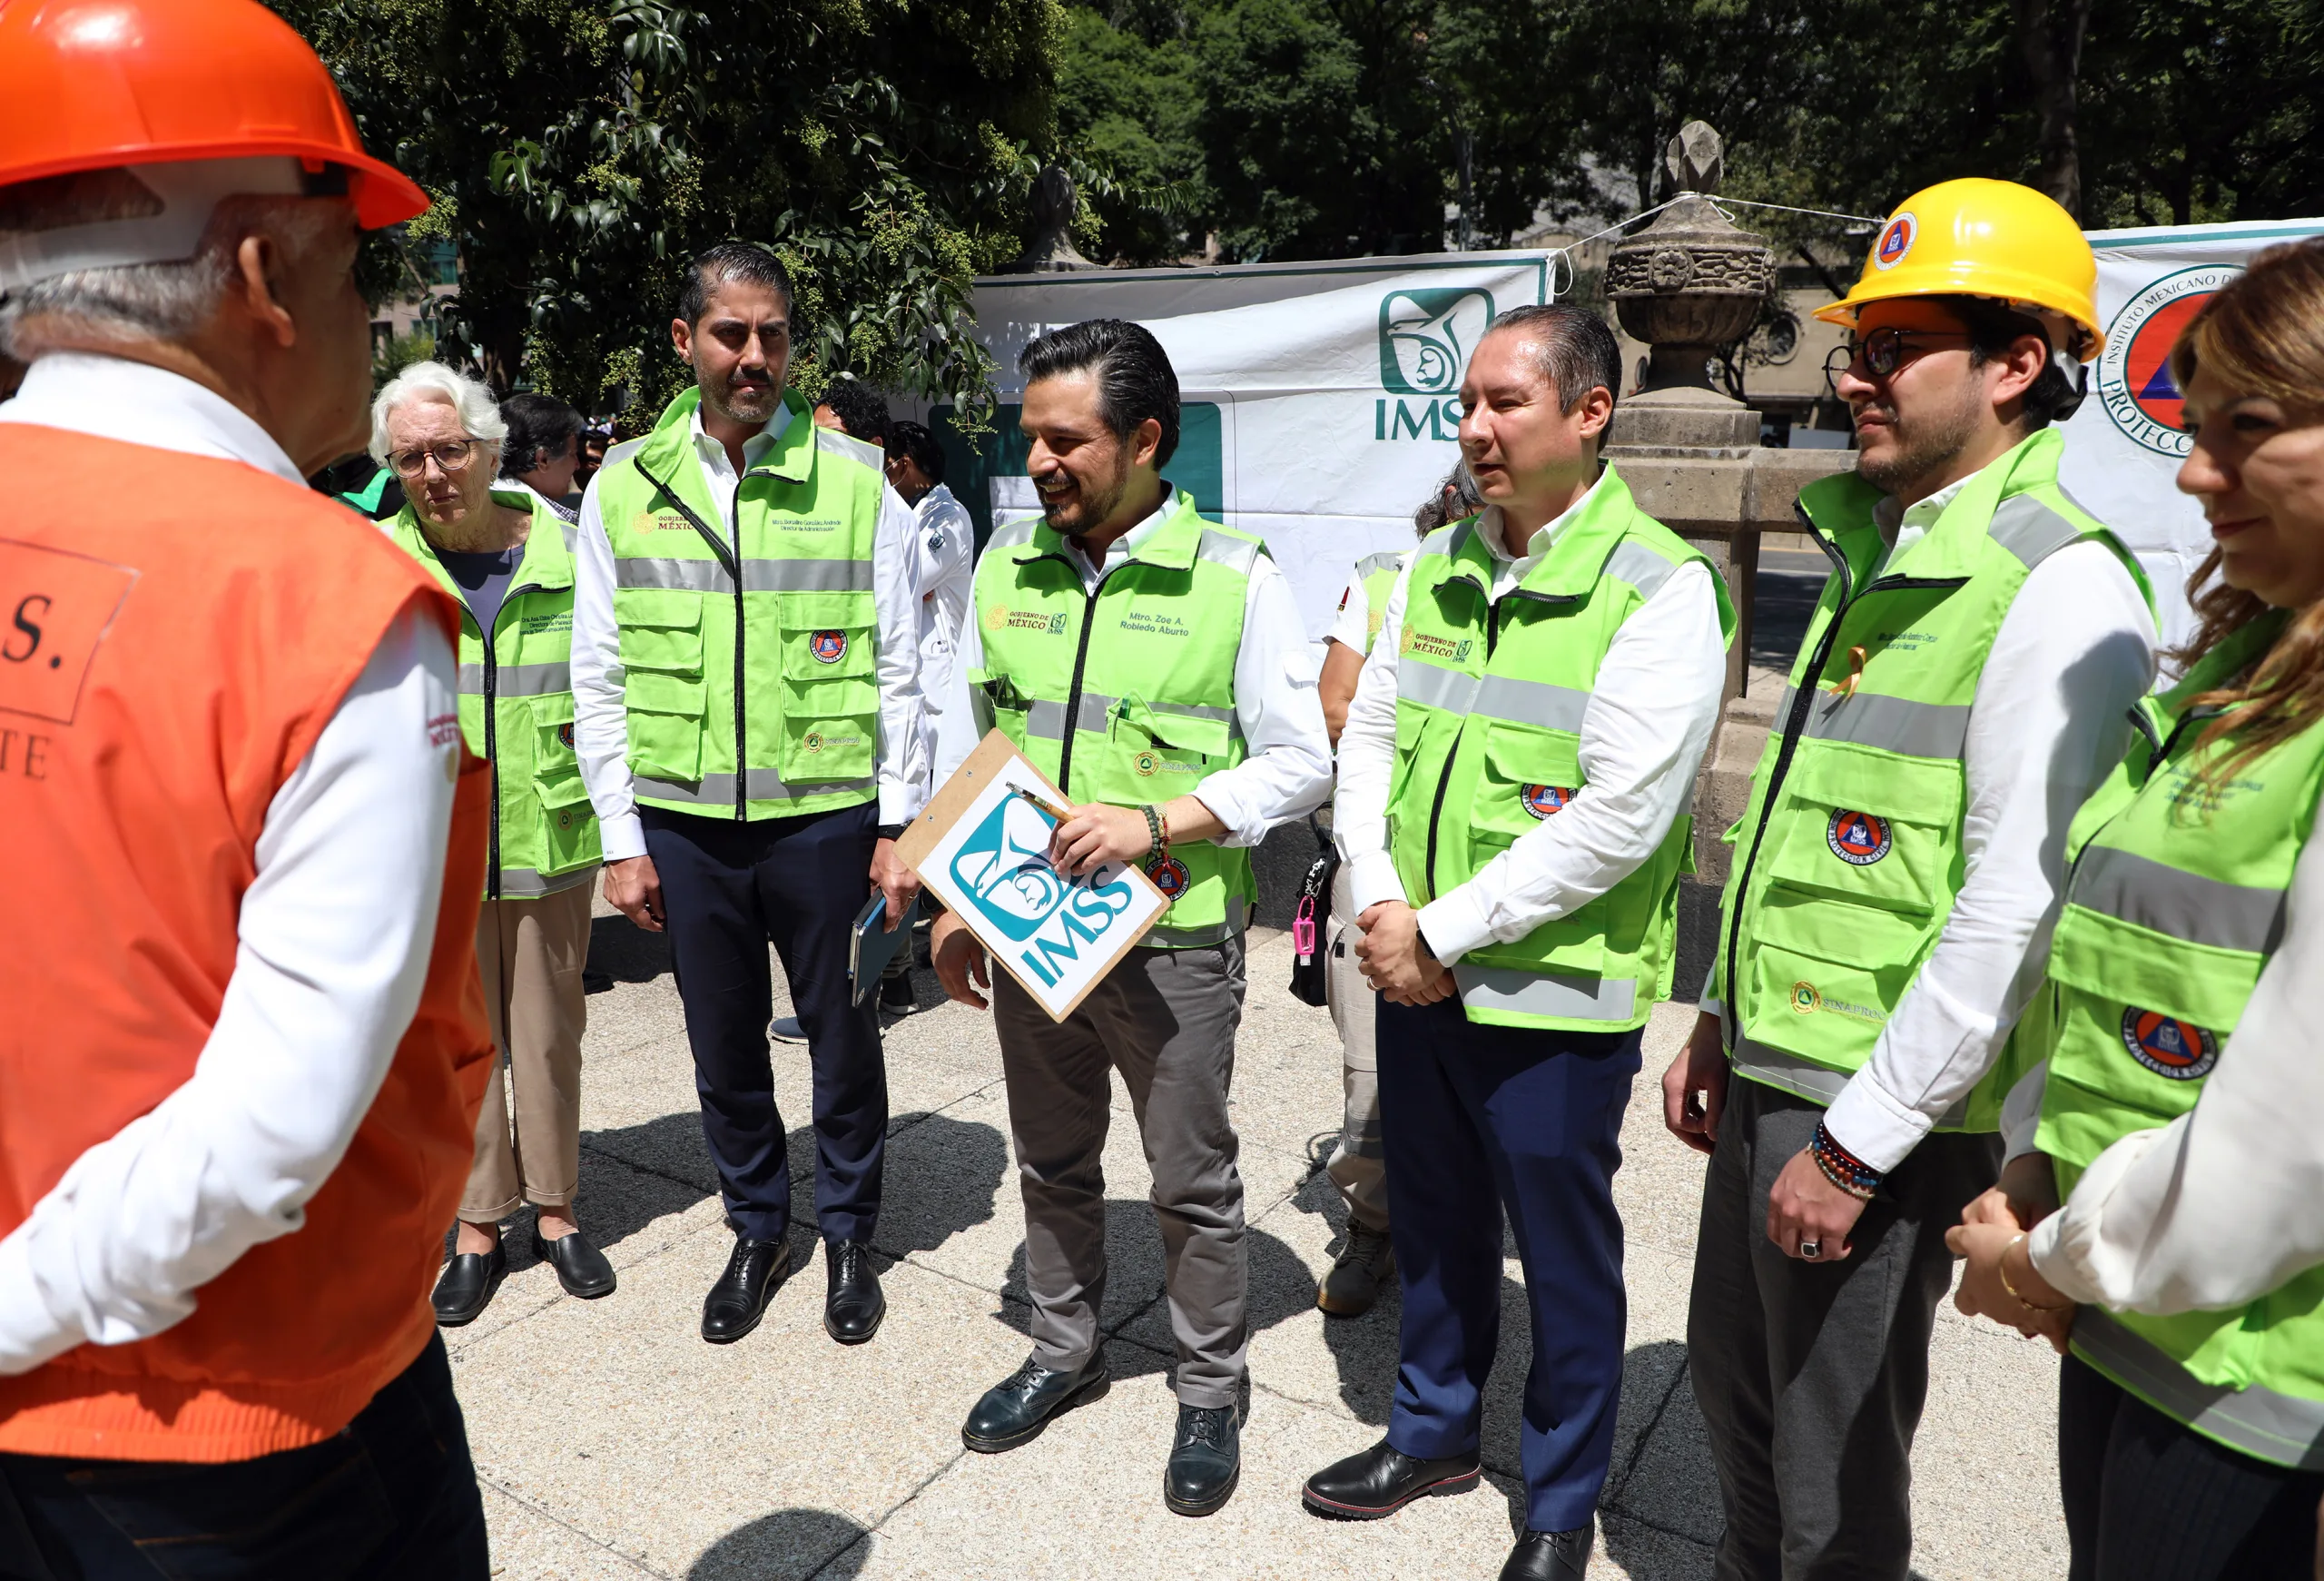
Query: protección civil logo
pixel 2134 382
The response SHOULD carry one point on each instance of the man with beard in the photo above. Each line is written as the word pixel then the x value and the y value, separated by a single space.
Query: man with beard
pixel 1154 665
pixel 747 712
pixel 1962 689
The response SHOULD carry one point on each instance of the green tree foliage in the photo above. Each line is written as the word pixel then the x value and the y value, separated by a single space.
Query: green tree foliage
pixel 581 150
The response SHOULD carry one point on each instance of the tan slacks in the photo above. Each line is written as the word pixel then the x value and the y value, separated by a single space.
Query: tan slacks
pixel 530 952
pixel 1359 1167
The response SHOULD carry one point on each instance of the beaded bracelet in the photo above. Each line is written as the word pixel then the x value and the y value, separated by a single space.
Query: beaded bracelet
pixel 1155 832
pixel 1843 1168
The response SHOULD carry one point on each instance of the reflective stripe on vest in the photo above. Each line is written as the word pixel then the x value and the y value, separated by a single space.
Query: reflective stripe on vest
pixel 1817 1084
pixel 2171 901
pixel 519 680
pixel 1510 698
pixel 759 576
pixel 1547 995
pixel 2282 1430
pixel 1896 724
pixel 718 790
pixel 1046 718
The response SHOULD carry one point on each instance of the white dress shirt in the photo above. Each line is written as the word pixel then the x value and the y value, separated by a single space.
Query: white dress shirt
pixel 944 549
pixel 334 936
pixel 601 713
pixel 2219 1207
pixel 1287 770
pixel 2048 722
pixel 1643 735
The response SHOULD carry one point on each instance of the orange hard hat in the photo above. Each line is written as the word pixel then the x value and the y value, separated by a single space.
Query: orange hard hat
pixel 96 84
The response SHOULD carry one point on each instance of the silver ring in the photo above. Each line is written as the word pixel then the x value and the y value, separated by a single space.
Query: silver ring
pixel 1811 1250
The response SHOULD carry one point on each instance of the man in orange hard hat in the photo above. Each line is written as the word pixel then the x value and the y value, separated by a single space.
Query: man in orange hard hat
pixel 244 1046
pixel 1961 688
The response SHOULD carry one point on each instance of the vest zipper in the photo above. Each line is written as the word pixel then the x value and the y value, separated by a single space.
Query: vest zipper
pixel 1073 693
pixel 1801 698
pixel 492 752
pixel 1444 780
pixel 742 766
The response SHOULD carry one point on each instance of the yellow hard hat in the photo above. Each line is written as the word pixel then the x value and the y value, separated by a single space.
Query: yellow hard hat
pixel 1975 237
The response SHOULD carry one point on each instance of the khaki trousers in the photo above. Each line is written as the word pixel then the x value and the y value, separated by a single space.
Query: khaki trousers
pixel 1166 1020
pixel 1359 1167
pixel 530 952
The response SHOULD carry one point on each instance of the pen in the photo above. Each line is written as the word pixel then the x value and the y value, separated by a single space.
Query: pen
pixel 1059 814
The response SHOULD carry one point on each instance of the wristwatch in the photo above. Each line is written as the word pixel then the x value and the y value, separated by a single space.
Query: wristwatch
pixel 892 831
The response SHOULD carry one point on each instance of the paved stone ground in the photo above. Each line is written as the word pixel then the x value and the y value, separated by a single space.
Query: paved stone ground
pixel 611 1442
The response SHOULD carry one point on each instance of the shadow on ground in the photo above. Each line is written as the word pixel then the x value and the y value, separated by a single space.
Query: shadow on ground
pixel 621 952
pixel 790 1544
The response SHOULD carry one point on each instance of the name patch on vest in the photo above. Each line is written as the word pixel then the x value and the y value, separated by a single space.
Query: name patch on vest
pixel 1541 800
pixel 1858 839
pixel 828 647
pixel 1147 624
pixel 56 608
pixel 1000 616
pixel 2179 1051
pixel 811 524
pixel 1428 645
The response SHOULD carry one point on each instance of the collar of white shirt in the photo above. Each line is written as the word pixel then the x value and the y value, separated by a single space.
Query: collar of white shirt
pixel 113 398
pixel 1901 528
pixel 1511 570
pixel 1130 542
pixel 755 449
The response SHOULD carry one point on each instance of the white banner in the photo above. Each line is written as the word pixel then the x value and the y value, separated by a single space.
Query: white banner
pixel 2125 446
pixel 1320 401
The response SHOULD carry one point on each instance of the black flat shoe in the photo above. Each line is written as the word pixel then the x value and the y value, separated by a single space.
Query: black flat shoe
pixel 465 1286
pixel 1549 1556
pixel 1015 1410
pixel 1206 1459
pixel 854 1307
pixel 1381 1481
pixel 738 1300
pixel 580 1267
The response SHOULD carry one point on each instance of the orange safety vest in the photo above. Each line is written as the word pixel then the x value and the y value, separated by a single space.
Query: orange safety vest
pixel 175 632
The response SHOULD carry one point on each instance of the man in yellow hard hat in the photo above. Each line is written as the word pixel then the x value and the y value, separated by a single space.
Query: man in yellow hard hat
pixel 1961 688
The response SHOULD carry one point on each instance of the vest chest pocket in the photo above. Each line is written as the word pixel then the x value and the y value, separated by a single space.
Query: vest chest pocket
pixel 568 823
pixel 1869 830
pixel 1527 777
pixel 1154 754
pixel 830 703
pixel 664 694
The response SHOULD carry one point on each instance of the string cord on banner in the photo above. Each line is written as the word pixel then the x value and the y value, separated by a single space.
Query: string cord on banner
pixel 1564 253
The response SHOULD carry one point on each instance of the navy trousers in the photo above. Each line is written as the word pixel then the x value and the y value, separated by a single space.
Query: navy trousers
pixel 728 890
pixel 1479 1120
pixel 391 1497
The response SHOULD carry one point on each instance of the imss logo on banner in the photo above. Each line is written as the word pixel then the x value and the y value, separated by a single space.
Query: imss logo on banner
pixel 1426 334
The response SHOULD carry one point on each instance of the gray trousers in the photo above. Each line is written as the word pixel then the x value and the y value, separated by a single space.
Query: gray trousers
pixel 1359 1166
pixel 1811 1376
pixel 1166 1020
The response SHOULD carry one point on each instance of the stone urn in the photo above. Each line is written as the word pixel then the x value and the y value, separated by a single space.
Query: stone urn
pixel 1690 286
pixel 1053 208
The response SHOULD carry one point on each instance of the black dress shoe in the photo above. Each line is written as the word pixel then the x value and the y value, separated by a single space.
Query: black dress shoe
pixel 1549 1556
pixel 580 1267
pixel 738 1300
pixel 465 1286
pixel 1015 1410
pixel 854 1306
pixel 1206 1459
pixel 896 996
pixel 1381 1481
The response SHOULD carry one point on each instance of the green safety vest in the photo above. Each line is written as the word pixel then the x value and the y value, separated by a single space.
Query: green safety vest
pixel 1127 695
pixel 367 499
pixel 1490 696
pixel 784 662
pixel 1376 574
pixel 516 709
pixel 2175 901
pixel 1849 850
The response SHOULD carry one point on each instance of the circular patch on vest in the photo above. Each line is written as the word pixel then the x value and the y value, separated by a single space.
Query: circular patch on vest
pixel 2177 1050
pixel 1170 876
pixel 812 741
pixel 829 647
pixel 1858 839
pixel 1805 999
pixel 1541 800
pixel 564 733
pixel 1146 763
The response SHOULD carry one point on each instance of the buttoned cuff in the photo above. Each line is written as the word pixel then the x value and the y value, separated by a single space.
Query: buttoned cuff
pixel 1454 924
pixel 899 804
pixel 622 836
pixel 2051 1261
pixel 1372 880
pixel 29 1332
pixel 1873 1125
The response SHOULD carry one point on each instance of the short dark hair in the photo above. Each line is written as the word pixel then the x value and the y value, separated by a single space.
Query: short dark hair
pixel 861 410
pixel 536 424
pixel 724 264
pixel 1572 348
pixel 1135 379
pixel 913 440
pixel 1994 327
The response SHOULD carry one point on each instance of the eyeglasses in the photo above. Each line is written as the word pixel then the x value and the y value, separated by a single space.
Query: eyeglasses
pixel 1884 351
pixel 449 458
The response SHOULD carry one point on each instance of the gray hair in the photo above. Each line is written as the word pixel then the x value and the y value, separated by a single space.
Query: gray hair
pixel 166 302
pixel 480 416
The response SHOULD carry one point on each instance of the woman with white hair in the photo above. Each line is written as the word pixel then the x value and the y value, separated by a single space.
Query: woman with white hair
pixel 508 557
